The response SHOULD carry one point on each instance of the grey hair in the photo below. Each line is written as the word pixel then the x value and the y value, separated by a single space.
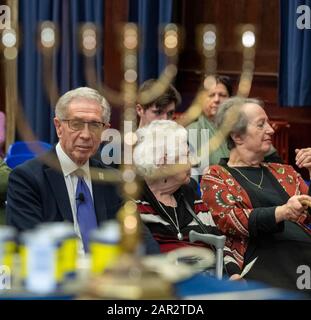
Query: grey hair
pixel 231 111
pixel 159 143
pixel 63 102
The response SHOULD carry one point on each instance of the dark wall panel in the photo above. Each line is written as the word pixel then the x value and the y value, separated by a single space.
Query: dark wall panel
pixel 116 13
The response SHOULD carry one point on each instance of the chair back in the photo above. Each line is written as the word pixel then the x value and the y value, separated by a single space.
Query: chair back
pixel 28 147
pixel 17 159
pixel 22 151
pixel 280 138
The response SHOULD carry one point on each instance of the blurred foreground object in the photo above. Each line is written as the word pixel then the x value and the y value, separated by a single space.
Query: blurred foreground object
pixel 126 277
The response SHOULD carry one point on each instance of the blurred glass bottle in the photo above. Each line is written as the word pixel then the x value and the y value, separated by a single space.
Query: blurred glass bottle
pixel 105 246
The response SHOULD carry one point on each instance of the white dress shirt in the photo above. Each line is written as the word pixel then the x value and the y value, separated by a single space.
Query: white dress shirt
pixel 68 168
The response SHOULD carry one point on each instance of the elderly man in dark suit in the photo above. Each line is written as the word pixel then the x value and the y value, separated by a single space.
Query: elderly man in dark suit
pixel 67 184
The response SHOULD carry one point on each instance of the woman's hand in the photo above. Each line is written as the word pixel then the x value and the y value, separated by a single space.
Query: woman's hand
pixel 291 210
pixel 303 158
pixel 235 276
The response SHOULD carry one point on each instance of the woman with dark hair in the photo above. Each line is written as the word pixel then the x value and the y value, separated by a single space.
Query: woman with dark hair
pixel 217 89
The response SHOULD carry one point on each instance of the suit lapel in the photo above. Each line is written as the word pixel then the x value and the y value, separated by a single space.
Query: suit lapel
pixel 57 182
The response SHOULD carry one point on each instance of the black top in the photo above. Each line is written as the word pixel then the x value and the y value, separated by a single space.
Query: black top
pixel 185 192
pixel 281 247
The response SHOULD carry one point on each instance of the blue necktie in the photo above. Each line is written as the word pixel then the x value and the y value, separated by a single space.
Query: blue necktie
pixel 85 211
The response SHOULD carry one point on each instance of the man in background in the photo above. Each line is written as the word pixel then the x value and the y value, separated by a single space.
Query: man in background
pixel 161 108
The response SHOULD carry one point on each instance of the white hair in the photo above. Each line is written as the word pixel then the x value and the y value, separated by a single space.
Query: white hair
pixel 161 142
pixel 63 102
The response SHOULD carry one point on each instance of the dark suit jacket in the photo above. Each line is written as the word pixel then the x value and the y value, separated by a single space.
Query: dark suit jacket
pixel 37 193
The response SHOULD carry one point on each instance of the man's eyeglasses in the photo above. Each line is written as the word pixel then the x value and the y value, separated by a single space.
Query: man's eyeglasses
pixel 79 125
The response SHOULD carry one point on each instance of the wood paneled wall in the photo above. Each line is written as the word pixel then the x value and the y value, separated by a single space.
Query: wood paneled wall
pixel 116 13
pixel 227 15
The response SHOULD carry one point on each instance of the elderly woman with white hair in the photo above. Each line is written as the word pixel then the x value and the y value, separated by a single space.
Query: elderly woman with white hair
pixel 169 204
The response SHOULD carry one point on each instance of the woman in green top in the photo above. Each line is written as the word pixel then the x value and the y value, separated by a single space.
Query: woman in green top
pixel 217 89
